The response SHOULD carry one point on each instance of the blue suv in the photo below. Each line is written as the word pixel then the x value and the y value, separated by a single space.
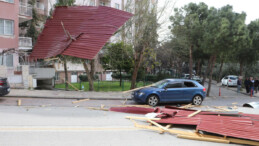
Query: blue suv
pixel 171 90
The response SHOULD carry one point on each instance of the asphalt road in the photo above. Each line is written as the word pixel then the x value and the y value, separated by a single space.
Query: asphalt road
pixel 59 122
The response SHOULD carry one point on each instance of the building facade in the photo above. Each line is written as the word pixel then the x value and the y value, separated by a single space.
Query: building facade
pixel 13 43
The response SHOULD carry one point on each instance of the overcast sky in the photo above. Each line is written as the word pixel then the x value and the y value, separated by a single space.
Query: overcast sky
pixel 250 7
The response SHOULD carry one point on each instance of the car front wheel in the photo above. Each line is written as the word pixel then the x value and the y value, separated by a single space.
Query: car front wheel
pixel 197 100
pixel 153 100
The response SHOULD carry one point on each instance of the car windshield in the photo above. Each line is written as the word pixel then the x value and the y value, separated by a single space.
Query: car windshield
pixel 160 84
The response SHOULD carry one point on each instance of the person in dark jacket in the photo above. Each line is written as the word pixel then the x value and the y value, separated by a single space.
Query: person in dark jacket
pixel 239 84
pixel 247 85
pixel 256 84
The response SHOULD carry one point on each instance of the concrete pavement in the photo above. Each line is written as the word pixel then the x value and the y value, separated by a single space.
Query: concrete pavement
pixel 61 94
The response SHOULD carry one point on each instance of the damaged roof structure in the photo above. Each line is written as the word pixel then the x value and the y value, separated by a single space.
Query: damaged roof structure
pixel 224 127
pixel 79 31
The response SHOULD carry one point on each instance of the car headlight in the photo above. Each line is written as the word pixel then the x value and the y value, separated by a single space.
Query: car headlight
pixel 141 93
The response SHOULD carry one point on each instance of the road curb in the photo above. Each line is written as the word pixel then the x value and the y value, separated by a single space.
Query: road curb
pixel 75 98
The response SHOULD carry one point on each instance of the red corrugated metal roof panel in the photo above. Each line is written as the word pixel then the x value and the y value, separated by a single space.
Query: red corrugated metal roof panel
pixel 230 129
pixel 133 110
pixel 91 27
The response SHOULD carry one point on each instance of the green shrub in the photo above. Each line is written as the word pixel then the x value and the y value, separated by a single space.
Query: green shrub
pixel 83 78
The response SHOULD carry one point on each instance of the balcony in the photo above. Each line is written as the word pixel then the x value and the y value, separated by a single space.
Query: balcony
pixel 25 43
pixel 25 12
pixel 40 7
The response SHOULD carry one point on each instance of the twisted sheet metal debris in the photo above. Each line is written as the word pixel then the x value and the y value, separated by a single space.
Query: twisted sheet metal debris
pixel 79 31
pixel 237 125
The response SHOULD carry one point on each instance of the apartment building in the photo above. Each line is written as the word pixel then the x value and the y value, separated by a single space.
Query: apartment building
pixel 14 46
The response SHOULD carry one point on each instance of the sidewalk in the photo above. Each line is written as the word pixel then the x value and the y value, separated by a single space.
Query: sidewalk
pixel 61 94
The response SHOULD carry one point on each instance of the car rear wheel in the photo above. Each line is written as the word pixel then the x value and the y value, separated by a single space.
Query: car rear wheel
pixel 153 100
pixel 197 100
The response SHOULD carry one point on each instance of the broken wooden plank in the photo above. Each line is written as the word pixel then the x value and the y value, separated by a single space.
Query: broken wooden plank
pixel 141 118
pixel 203 138
pixel 172 131
pixel 187 106
pixel 19 102
pixel 77 101
pixel 167 127
pixel 242 141
pixel 94 108
pixel 194 113
pixel 221 108
pixel 137 88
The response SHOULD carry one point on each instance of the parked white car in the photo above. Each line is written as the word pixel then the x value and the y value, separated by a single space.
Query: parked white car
pixel 230 80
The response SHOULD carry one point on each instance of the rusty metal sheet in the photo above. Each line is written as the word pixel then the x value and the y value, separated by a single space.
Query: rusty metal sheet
pixel 90 28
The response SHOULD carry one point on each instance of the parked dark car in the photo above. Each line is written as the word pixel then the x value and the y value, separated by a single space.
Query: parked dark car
pixel 171 90
pixel 4 86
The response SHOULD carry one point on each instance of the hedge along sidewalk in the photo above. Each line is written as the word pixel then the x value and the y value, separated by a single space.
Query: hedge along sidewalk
pixel 61 94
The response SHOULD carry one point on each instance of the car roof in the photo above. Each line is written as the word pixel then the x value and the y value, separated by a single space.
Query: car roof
pixel 232 76
pixel 179 80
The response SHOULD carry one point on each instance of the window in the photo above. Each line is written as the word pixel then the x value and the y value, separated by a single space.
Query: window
pixel 9 1
pixel 9 60
pixel 102 3
pixel 6 27
pixel 57 77
pixel 189 84
pixel 6 60
pixel 232 78
pixel 92 3
pixel 129 10
pixel 117 6
pixel 174 85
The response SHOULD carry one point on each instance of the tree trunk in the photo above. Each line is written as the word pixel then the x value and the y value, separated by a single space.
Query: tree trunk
pixel 136 68
pixel 207 71
pixel 180 69
pixel 91 85
pixel 241 68
pixel 66 74
pixel 120 77
pixel 190 62
pixel 211 71
pixel 220 70
pixel 198 67
pixel 92 69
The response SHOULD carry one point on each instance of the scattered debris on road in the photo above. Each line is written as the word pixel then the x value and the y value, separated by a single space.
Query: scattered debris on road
pixel 77 101
pixel 102 107
pixel 19 102
pixel 229 126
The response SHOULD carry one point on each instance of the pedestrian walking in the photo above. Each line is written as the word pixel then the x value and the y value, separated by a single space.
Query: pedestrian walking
pixel 251 84
pixel 256 84
pixel 247 85
pixel 239 84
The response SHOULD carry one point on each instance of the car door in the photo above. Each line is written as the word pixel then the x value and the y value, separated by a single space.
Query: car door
pixel 172 91
pixel 225 80
pixel 189 90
